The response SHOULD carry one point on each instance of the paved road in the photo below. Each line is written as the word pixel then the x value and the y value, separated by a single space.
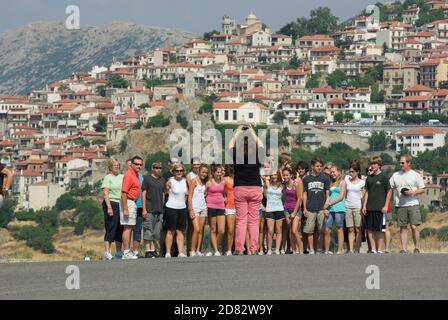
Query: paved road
pixel 258 277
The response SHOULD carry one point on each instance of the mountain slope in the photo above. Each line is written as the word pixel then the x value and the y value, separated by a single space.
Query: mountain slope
pixel 39 53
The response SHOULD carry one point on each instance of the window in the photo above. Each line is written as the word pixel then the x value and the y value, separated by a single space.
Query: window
pixel 216 114
pixel 226 115
pixel 234 115
pixel 251 115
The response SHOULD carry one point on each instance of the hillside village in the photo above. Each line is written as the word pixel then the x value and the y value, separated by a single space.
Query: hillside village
pixel 60 136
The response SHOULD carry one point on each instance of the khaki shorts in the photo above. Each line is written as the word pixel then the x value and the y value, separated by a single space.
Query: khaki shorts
pixel 311 221
pixel 132 219
pixel 409 215
pixel 353 218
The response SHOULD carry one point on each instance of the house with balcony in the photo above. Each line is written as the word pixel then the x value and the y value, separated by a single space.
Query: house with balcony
pixel 420 140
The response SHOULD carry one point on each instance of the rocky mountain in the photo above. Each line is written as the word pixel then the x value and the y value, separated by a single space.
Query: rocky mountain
pixel 36 54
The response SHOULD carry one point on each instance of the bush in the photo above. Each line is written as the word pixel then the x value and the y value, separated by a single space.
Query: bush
pixel 424 212
pixel 161 156
pixel 442 234
pixel 39 238
pixel 65 202
pixel 427 232
pixel 7 212
pixel 49 218
pixel 29 215
pixel 88 215
pixel 158 121
pixel 182 120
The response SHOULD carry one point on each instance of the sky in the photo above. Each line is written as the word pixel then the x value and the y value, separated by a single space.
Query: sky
pixel 197 16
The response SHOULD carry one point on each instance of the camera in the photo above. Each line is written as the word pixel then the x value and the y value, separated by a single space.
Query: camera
pixel 403 190
pixel 245 127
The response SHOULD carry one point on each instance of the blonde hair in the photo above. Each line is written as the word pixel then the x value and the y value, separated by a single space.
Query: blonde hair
pixel 177 166
pixel 111 162
pixel 339 179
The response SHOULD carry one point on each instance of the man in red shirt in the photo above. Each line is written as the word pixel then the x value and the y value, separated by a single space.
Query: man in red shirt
pixel 130 191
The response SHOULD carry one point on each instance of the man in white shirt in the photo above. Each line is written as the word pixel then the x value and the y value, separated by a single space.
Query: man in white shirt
pixel 407 184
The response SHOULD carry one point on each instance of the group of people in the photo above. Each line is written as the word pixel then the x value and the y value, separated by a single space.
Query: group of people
pixel 254 208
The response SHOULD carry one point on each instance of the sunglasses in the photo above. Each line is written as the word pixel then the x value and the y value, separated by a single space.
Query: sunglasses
pixel 138 164
pixel 157 168
pixel 178 170
pixel 402 162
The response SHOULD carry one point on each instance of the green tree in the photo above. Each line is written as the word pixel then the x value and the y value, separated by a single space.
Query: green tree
pixel 342 55
pixel 337 79
pixel 158 121
pixel 123 145
pixel 7 212
pixel 88 215
pixel 278 117
pixel 319 119
pixel 117 81
pixel 339 117
pixel 182 120
pixel 378 141
pixel 304 117
pixel 313 81
pixel 348 116
pixel 137 125
pixel 208 35
pixel 365 115
pixel 387 159
pixel 377 95
pixel 65 202
pixel 101 124
pixel 101 90
pixel 294 63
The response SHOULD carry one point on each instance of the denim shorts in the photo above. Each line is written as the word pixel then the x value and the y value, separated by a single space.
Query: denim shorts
pixel 137 231
pixel 289 211
pixel 335 217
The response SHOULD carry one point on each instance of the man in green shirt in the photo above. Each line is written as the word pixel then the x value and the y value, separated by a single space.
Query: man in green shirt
pixel 377 197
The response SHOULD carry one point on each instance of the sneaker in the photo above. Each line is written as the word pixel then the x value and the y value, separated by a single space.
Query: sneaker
pixel 167 255
pixel 379 252
pixel 228 253
pixel 269 253
pixel 150 254
pixel 129 256
pixel 119 255
pixel 192 254
pixel 282 252
pixel 373 251
pixel 306 252
pixel 260 253
pixel 181 255
pixel 135 253
pixel 277 252
pixel 403 251
pixel 209 254
pixel 328 253
pixel 416 251
pixel 217 254
pixel 108 256
pixel 199 254
pixel 311 252
pixel 319 251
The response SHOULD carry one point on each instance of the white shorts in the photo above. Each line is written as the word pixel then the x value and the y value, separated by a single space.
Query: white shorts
pixel 200 212
pixel 229 212
pixel 132 219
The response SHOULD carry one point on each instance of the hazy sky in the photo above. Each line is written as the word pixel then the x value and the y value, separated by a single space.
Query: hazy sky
pixel 197 16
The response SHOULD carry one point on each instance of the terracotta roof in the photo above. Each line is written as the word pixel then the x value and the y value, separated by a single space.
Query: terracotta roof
pixel 421 132
pixel 418 88
pixel 325 49
pixel 325 90
pixel 159 103
pixel 91 133
pixel 336 101
pixel 236 105
pixel 28 173
pixel 317 37
pixel 293 72
pixel 7 143
pixel 186 65
pixel 416 98
pixel 250 71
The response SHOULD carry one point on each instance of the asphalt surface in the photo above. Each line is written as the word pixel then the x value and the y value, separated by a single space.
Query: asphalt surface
pixel 285 277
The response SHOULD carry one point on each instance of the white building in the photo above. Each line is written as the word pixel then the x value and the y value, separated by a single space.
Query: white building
pixel 249 112
pixel 420 140
pixel 260 39
pixel 44 195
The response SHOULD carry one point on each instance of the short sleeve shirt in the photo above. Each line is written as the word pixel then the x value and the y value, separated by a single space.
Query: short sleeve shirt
pixel 131 184
pixel 114 184
pixel 377 187
pixel 316 188
pixel 410 180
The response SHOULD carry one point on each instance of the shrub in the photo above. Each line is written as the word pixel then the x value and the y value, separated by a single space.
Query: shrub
pixel 29 215
pixel 88 215
pixel 428 232
pixel 65 202
pixel 39 238
pixel 182 120
pixel 6 212
pixel 48 218
pixel 158 121
pixel 442 234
